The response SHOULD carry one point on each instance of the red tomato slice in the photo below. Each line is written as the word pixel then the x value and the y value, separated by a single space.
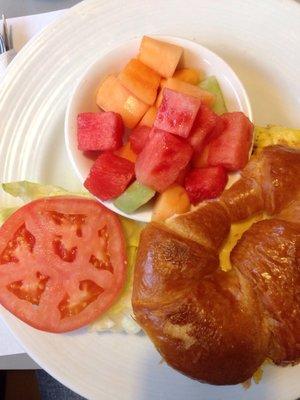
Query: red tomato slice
pixel 62 262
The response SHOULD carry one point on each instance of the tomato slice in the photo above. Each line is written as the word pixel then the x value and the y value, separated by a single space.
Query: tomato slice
pixel 62 262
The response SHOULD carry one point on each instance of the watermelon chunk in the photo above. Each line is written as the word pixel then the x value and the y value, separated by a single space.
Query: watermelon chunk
pixel 161 160
pixel 141 80
pixel 161 56
pixel 177 113
pixel 231 148
pixel 200 160
pixel 205 183
pixel 188 89
pixel 138 138
pixel 109 176
pixel 207 125
pixel 92 155
pixel 99 131
pixel 182 174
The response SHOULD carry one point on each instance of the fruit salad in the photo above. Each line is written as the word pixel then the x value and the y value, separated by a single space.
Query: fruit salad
pixel 162 134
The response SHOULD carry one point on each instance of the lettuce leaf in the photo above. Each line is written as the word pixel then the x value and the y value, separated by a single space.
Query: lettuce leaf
pixel 5 213
pixel 119 317
pixel 28 191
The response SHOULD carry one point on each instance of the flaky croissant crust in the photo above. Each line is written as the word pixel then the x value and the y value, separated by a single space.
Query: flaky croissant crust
pixel 217 326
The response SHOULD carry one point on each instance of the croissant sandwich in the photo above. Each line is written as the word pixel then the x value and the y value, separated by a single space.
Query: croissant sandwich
pixel 216 326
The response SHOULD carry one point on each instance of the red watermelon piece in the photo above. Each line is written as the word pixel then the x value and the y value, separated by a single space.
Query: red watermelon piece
pixel 177 113
pixel 109 176
pixel 207 126
pixel 205 183
pixel 231 148
pixel 138 138
pixel 92 155
pixel 101 131
pixel 201 160
pixel 182 174
pixel 161 160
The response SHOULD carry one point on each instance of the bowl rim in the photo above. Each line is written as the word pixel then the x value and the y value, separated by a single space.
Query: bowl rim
pixel 171 39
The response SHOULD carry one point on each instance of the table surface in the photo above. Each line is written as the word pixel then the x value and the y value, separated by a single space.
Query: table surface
pixel 17 8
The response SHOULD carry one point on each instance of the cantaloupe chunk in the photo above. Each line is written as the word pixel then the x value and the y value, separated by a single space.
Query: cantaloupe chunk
pixel 141 80
pixel 189 75
pixel 126 152
pixel 113 96
pixel 186 88
pixel 162 83
pixel 149 118
pixel 173 200
pixel 161 56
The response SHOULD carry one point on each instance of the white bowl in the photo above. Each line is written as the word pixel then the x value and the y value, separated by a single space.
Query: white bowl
pixel 83 98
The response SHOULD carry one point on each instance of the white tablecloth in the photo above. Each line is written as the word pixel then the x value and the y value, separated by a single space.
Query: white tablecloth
pixel 24 28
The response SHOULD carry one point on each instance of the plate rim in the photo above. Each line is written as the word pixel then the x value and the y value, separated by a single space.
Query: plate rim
pixel 68 383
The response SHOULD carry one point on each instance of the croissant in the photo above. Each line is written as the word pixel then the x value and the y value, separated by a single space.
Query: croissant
pixel 216 326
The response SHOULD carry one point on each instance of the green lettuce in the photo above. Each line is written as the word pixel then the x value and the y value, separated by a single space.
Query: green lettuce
pixel 119 317
pixel 5 213
pixel 211 84
pixel 28 191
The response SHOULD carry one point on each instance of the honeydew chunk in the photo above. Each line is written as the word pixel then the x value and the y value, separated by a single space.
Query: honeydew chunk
pixel 211 85
pixel 135 196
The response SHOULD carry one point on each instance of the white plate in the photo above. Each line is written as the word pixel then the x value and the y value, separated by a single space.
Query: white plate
pixel 259 39
pixel 83 98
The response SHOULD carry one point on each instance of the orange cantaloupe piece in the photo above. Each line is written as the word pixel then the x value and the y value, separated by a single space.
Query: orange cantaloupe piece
pixel 126 152
pixel 161 56
pixel 189 75
pixel 149 118
pixel 141 80
pixel 206 98
pixel 162 83
pixel 113 96
pixel 173 200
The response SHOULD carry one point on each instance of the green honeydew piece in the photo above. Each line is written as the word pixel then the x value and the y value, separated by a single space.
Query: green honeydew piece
pixel 211 84
pixel 134 197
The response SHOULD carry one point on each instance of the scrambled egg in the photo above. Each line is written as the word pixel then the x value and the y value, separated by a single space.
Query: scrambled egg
pixel 235 234
pixel 271 135
pixel 264 136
